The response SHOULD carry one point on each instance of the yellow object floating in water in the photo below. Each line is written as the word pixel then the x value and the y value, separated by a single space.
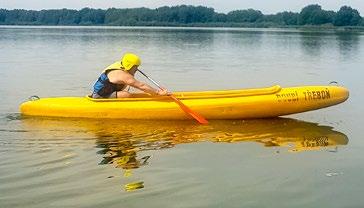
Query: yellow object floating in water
pixel 134 186
pixel 228 104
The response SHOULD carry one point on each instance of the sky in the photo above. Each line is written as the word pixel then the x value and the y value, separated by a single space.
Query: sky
pixel 266 6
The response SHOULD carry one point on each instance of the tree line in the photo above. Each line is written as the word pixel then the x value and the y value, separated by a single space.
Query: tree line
pixel 182 15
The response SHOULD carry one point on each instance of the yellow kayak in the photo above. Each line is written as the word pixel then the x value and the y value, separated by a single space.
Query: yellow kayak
pixel 227 104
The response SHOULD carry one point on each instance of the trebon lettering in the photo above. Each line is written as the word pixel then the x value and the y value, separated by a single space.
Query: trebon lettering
pixel 317 94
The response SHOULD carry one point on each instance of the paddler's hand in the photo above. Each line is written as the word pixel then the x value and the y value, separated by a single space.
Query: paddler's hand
pixel 163 92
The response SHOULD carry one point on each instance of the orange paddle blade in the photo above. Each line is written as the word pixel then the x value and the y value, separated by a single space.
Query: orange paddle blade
pixel 187 110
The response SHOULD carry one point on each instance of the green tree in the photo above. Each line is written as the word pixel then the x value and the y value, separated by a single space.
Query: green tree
pixel 314 15
pixel 12 16
pixel 219 17
pixel 69 17
pixel 27 17
pixel 347 16
pixel 166 14
pixel 91 16
pixel 289 18
pixel 249 15
pixel 48 17
pixel 112 16
pixel 282 18
pixel 3 14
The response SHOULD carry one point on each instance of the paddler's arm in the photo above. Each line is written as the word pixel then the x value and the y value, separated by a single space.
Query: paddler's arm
pixel 142 86
pixel 120 77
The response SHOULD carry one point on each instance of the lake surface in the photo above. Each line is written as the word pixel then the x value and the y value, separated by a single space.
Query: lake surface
pixel 312 159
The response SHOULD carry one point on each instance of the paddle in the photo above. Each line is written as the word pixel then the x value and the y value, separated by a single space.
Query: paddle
pixel 186 109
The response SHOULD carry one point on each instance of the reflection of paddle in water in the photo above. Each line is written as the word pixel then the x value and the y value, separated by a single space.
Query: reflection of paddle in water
pixel 121 142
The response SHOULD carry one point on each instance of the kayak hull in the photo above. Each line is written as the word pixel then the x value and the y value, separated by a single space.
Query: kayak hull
pixel 230 104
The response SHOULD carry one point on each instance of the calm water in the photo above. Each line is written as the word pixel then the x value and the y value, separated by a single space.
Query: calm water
pixel 312 159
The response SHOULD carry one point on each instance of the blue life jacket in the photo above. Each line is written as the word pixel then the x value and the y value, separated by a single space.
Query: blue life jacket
pixel 104 87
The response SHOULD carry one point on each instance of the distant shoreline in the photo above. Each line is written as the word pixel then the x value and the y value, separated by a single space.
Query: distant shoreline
pixel 310 17
pixel 303 28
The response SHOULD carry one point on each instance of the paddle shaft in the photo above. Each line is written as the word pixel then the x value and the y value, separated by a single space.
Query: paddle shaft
pixel 154 82
pixel 186 109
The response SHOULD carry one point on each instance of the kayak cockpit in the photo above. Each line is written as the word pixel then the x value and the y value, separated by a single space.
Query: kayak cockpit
pixel 197 95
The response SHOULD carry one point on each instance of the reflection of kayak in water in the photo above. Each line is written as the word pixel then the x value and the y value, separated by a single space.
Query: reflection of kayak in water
pixel 228 104
pixel 126 144
pixel 127 137
pixel 298 135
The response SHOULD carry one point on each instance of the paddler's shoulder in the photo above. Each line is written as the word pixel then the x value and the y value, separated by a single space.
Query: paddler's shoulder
pixel 114 66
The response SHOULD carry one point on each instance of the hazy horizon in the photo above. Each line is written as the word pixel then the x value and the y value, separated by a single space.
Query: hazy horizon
pixel 267 7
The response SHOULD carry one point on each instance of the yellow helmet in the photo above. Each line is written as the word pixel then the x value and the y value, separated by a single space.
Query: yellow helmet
pixel 129 60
